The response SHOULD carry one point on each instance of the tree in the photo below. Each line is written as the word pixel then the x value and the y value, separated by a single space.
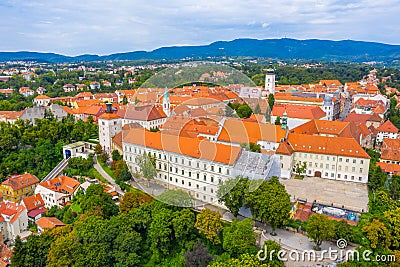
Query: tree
pixel 257 109
pixel 392 223
pixel 244 111
pixel 209 224
pixel 132 200
pixel 245 260
pixel 278 120
pixel 97 201
pixel 270 203
pixel 232 193
pixel 319 228
pixel 147 167
pixel 344 231
pixel 255 147
pixel 271 101
pixel 115 155
pixel 123 174
pixel 377 234
pixel 394 187
pixel 239 230
pixel 104 157
pixel 198 257
pixel 183 225
pixel 98 149
pixel 160 231
pixel 124 100
pixel 300 168
pixel 17 258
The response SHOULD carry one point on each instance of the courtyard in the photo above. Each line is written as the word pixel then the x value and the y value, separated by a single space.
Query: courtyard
pixel 348 195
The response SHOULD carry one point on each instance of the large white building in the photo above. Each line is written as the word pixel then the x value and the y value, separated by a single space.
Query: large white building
pixel 195 165
pixel 13 220
pixel 335 158
pixel 387 130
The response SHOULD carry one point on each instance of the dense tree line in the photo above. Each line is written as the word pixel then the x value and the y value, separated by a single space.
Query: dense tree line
pixel 145 232
pixel 37 148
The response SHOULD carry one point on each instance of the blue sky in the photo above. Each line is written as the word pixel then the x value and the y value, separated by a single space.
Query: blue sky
pixel 74 27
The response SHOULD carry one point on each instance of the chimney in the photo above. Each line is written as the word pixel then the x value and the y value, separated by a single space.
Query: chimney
pixel 108 107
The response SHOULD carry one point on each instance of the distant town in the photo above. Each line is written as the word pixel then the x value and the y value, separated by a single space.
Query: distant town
pixel 115 162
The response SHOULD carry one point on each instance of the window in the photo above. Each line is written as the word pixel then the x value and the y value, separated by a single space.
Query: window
pixel 362 161
pixel 190 174
pixel 338 176
pixel 327 166
pixel 197 186
pixel 340 159
pixel 281 157
pixel 190 184
pixel 316 165
pixel 205 177
pixel 212 168
pixel 183 172
pixel 212 190
pixel 326 174
pixel 361 169
pixel 354 161
pixel 198 165
pixel 176 180
pixel 170 169
pixel 353 169
pixel 347 160
pixel 212 179
pixel 190 163
pixel 198 176
pixel 333 167
pixel 204 188
pixel 321 165
pixel 219 169
pixel 352 177
pixel 359 178
pixel 176 170
pixel 332 174
pixel 204 197
pixel 227 171
pixel 165 177
pixel 345 176
pixel 183 182
pixel 205 166
pixel 183 161
pixel 176 160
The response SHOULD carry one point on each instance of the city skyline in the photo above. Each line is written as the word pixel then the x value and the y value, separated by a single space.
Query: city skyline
pixel 105 27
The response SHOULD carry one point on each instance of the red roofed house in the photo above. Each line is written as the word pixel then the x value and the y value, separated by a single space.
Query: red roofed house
pixel 16 187
pixel 297 114
pixel 58 191
pixel 35 206
pixel 69 88
pixel 335 158
pixel 26 91
pixel 387 130
pixel 48 223
pixel 13 220
pixel 42 100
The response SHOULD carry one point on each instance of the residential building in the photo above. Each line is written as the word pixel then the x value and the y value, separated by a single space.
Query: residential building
pixel 45 223
pixel 390 151
pixel 58 191
pixel 94 85
pixel 297 114
pixel 148 116
pixel 18 186
pixel 13 220
pixel 35 207
pixel 387 130
pixel 335 158
pixel 368 119
pixel 10 116
pixel 26 91
pixel 69 88
pixel 195 165
pixel 42 100
pixel 109 125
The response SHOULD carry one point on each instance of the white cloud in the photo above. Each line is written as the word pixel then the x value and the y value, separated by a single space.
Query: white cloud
pixel 106 26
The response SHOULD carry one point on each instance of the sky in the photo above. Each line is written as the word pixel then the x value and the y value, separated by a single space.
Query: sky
pixel 73 27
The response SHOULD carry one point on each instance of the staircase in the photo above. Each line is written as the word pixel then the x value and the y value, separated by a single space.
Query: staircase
pixel 57 170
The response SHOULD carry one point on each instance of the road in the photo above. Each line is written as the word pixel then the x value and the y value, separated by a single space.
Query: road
pixel 346 109
pixel 105 175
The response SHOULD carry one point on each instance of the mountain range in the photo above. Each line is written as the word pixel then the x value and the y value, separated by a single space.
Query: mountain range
pixel 285 48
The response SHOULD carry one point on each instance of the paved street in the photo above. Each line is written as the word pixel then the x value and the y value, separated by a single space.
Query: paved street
pixel 105 175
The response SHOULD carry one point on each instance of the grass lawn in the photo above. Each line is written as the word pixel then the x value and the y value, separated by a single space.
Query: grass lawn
pixel 106 169
pixel 93 173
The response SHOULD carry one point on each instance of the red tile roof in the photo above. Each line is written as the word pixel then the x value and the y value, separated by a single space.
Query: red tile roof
pixel 193 147
pixel 49 222
pixel 33 202
pixel 298 111
pixel 61 184
pixel 388 127
pixel 19 181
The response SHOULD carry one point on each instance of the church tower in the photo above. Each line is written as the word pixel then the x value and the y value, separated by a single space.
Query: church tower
pixel 166 103
pixel 270 80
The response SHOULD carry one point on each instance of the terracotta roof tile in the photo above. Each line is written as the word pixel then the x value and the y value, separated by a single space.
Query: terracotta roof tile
pixel 19 181
pixel 388 127
pixel 61 184
pixel 298 111
pixel 49 222
pixel 33 202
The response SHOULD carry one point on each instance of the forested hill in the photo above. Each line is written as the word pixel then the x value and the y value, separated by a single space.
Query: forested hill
pixel 285 48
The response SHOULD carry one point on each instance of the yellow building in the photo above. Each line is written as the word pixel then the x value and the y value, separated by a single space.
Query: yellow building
pixel 19 186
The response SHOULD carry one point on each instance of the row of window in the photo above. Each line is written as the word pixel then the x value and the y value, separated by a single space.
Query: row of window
pixel 175 159
pixel 189 183
pixel 322 157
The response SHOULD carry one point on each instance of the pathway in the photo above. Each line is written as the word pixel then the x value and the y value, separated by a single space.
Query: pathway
pixel 105 175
